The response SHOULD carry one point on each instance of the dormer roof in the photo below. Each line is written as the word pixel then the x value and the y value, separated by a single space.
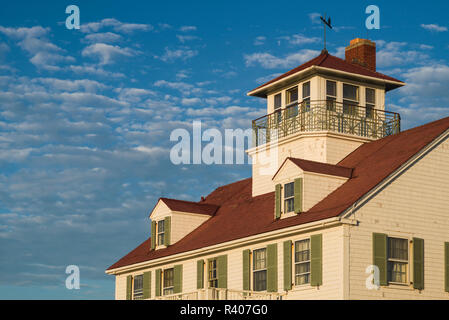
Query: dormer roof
pixel 190 206
pixel 327 62
pixel 318 167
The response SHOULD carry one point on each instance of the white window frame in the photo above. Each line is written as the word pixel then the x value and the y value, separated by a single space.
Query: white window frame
pixel 302 262
pixel 171 288
pixel 210 271
pixel 355 103
pixel 287 92
pixel 159 233
pixel 254 270
pixel 393 260
pixel 371 104
pixel 331 96
pixel 137 295
pixel 292 197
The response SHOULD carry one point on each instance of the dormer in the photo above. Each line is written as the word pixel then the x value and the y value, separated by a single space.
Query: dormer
pixel 300 184
pixel 172 220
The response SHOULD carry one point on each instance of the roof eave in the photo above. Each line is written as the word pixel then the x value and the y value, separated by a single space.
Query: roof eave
pixel 262 92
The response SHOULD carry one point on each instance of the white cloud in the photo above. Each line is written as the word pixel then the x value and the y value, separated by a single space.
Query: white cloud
pixel 434 27
pixel 115 25
pixel 397 53
pixel 260 40
pixel 181 86
pixel 107 37
pixel 267 78
pixel 187 28
pixel 190 101
pixel 299 39
pixel 268 61
pixel 44 54
pixel 94 70
pixel 177 54
pixel 185 38
pixel 315 17
pixel 107 53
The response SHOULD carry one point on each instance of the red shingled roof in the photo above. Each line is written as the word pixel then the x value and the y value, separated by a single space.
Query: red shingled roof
pixel 319 167
pixel 241 215
pixel 327 60
pixel 189 206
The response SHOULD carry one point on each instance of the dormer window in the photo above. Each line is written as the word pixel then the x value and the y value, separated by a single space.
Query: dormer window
pixel 289 197
pixel 350 98
pixel 370 102
pixel 160 232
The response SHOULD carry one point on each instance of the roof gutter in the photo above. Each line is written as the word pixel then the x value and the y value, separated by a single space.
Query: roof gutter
pixel 284 232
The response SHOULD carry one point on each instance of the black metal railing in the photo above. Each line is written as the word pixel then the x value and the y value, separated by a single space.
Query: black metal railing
pixel 325 115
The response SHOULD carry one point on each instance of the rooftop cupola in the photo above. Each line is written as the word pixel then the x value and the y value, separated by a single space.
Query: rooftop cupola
pixel 321 111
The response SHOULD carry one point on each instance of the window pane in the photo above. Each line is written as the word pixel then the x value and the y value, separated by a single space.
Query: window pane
pixel 277 101
pixel 292 95
pixel 350 92
pixel 302 279
pixel 259 259
pixel 160 226
pixel 305 90
pixel 160 239
pixel 289 189
pixel 369 110
pixel 397 272
pixel 302 250
pixel 168 278
pixel 260 280
pixel 398 249
pixel 289 205
pixel 370 96
pixel 331 88
pixel 138 287
pixel 302 268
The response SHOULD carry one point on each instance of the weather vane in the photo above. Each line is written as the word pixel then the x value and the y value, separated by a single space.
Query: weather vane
pixel 326 23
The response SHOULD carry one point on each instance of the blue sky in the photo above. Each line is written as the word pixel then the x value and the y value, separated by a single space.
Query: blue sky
pixel 86 115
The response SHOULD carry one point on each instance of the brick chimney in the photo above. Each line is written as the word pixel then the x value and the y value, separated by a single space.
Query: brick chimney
pixel 361 52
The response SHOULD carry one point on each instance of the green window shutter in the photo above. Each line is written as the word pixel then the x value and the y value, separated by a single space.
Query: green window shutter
pixel 272 267
pixel 200 274
pixel 316 257
pixel 298 195
pixel 287 265
pixel 278 201
pixel 380 256
pixel 158 282
pixel 222 265
pixel 129 286
pixel 418 263
pixel 147 285
pixel 246 270
pixel 177 278
pixel 446 266
pixel 167 229
pixel 153 235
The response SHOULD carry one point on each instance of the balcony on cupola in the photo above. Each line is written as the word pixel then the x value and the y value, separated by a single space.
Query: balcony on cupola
pixel 325 108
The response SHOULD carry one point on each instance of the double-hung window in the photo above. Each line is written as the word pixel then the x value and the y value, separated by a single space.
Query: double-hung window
pixel 277 106
pixel 289 197
pixel 350 99
pixel 168 282
pixel 260 270
pixel 370 99
pixel 331 95
pixel 212 273
pixel 302 262
pixel 397 260
pixel 138 287
pixel 292 102
pixel 160 232
pixel 306 96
